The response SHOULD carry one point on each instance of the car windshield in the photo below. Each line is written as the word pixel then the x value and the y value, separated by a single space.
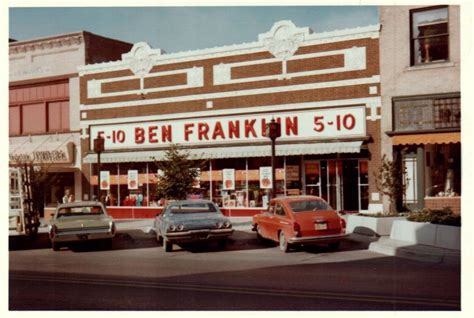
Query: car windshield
pixel 309 205
pixel 80 210
pixel 193 207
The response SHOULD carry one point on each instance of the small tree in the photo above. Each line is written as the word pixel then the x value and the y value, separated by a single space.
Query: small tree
pixel 178 174
pixel 391 180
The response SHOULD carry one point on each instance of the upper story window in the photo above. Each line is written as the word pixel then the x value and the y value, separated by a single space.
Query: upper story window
pixel 429 35
pixel 39 109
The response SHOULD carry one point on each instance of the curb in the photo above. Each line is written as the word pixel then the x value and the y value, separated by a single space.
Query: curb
pixel 423 253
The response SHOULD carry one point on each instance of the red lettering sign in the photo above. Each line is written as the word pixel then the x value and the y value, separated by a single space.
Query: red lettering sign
pixel 166 133
pixel 152 134
pixel 249 128
pixel 292 126
pixel 203 130
pixel 188 130
pixel 218 131
pixel 234 129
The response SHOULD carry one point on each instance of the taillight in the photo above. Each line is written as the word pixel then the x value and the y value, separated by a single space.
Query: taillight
pixel 52 231
pixel 296 229
pixel 343 223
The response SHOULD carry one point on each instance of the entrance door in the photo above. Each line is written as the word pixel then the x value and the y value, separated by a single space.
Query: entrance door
pixel 350 185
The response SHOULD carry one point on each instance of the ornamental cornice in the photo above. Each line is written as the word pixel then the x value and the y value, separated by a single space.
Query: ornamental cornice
pixel 282 41
pixel 46 43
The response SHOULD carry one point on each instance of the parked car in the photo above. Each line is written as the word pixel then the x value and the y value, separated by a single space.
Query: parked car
pixel 300 220
pixel 80 221
pixel 191 221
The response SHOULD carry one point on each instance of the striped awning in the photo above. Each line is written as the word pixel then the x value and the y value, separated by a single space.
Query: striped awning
pixel 233 152
pixel 432 138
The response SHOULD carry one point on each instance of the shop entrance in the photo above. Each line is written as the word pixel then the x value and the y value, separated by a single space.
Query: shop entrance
pixel 336 181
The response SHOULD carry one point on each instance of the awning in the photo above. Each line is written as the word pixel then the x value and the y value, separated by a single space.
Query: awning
pixel 44 151
pixel 233 152
pixel 432 138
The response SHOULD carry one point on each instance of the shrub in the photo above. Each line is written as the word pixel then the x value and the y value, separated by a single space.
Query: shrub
pixel 443 216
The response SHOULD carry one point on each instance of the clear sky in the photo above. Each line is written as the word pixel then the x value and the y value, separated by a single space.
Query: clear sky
pixel 177 29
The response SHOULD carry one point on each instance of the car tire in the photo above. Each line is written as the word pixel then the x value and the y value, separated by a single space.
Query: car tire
pixel 334 246
pixel 283 243
pixel 167 245
pixel 159 238
pixel 222 244
pixel 55 246
pixel 259 236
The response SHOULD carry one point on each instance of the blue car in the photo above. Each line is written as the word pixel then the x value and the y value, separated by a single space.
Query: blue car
pixel 191 221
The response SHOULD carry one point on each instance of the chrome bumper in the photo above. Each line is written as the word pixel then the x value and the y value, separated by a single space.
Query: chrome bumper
pixel 198 235
pixel 85 235
pixel 316 239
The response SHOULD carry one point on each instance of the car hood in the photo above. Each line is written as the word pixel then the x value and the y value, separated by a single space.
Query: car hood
pixel 81 221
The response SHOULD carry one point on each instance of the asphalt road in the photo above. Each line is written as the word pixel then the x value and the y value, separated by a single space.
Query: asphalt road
pixel 138 275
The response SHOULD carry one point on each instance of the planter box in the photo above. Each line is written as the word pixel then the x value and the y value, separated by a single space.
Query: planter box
pixel 444 236
pixel 371 225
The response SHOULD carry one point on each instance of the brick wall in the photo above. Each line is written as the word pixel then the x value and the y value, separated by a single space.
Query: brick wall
pixel 441 202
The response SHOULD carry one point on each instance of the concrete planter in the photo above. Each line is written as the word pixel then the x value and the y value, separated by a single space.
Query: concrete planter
pixel 371 225
pixel 443 236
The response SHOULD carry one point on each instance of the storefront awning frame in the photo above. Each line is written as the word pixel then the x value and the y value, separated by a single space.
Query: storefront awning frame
pixel 313 148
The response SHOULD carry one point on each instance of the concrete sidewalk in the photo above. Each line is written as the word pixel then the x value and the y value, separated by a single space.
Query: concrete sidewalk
pixel 425 253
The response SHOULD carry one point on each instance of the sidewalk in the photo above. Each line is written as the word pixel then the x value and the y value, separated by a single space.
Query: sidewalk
pixel 424 253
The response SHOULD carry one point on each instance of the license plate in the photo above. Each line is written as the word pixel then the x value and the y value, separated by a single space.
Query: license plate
pixel 320 226
pixel 83 237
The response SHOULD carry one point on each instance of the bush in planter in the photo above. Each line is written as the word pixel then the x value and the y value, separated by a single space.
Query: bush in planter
pixel 443 216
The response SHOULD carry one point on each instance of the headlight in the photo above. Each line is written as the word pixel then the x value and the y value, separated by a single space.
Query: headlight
pixel 171 228
pixel 227 224
pixel 180 227
pixel 219 225
pixel 112 227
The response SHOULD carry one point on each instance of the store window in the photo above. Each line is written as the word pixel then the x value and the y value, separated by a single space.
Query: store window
pixel 39 109
pixel 429 35
pixel 33 118
pixel 443 173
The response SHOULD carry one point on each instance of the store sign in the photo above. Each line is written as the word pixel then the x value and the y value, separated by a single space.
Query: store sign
pixel 292 173
pixel 61 155
pixel 266 180
pixel 328 123
pixel 228 178
pixel 132 179
pixel 105 180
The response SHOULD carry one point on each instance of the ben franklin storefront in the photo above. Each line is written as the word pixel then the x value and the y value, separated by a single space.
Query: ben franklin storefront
pixel 215 104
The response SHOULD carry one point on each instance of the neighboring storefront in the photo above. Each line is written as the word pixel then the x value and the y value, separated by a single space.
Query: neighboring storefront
pixel 323 88
pixel 44 104
pixel 420 71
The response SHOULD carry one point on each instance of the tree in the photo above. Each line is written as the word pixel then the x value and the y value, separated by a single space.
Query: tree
pixel 177 174
pixel 391 180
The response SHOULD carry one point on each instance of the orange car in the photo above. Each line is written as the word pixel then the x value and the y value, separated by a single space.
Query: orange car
pixel 300 220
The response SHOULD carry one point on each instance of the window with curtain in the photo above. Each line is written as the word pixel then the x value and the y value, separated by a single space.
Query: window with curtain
pixel 429 35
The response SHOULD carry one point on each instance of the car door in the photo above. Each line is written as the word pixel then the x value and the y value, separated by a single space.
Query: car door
pixel 265 221
pixel 281 222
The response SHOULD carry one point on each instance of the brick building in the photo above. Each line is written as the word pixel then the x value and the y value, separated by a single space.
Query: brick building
pixel 421 100
pixel 324 89
pixel 44 103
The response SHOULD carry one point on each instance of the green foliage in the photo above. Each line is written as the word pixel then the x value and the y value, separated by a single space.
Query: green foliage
pixel 178 174
pixel 443 216
pixel 389 179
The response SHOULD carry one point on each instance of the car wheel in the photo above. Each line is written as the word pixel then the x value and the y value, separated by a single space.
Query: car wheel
pixel 55 246
pixel 284 246
pixel 167 245
pixel 334 246
pixel 159 238
pixel 259 235
pixel 222 244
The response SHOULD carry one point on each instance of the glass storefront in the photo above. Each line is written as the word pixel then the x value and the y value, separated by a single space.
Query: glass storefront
pixel 241 183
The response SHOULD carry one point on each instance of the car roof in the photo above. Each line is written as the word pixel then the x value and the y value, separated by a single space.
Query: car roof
pixel 189 201
pixel 80 204
pixel 298 198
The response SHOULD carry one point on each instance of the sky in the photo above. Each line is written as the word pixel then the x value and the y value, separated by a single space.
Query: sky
pixel 184 28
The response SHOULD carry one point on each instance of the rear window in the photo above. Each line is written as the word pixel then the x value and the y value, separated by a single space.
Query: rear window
pixel 314 205
pixel 194 207
pixel 80 210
